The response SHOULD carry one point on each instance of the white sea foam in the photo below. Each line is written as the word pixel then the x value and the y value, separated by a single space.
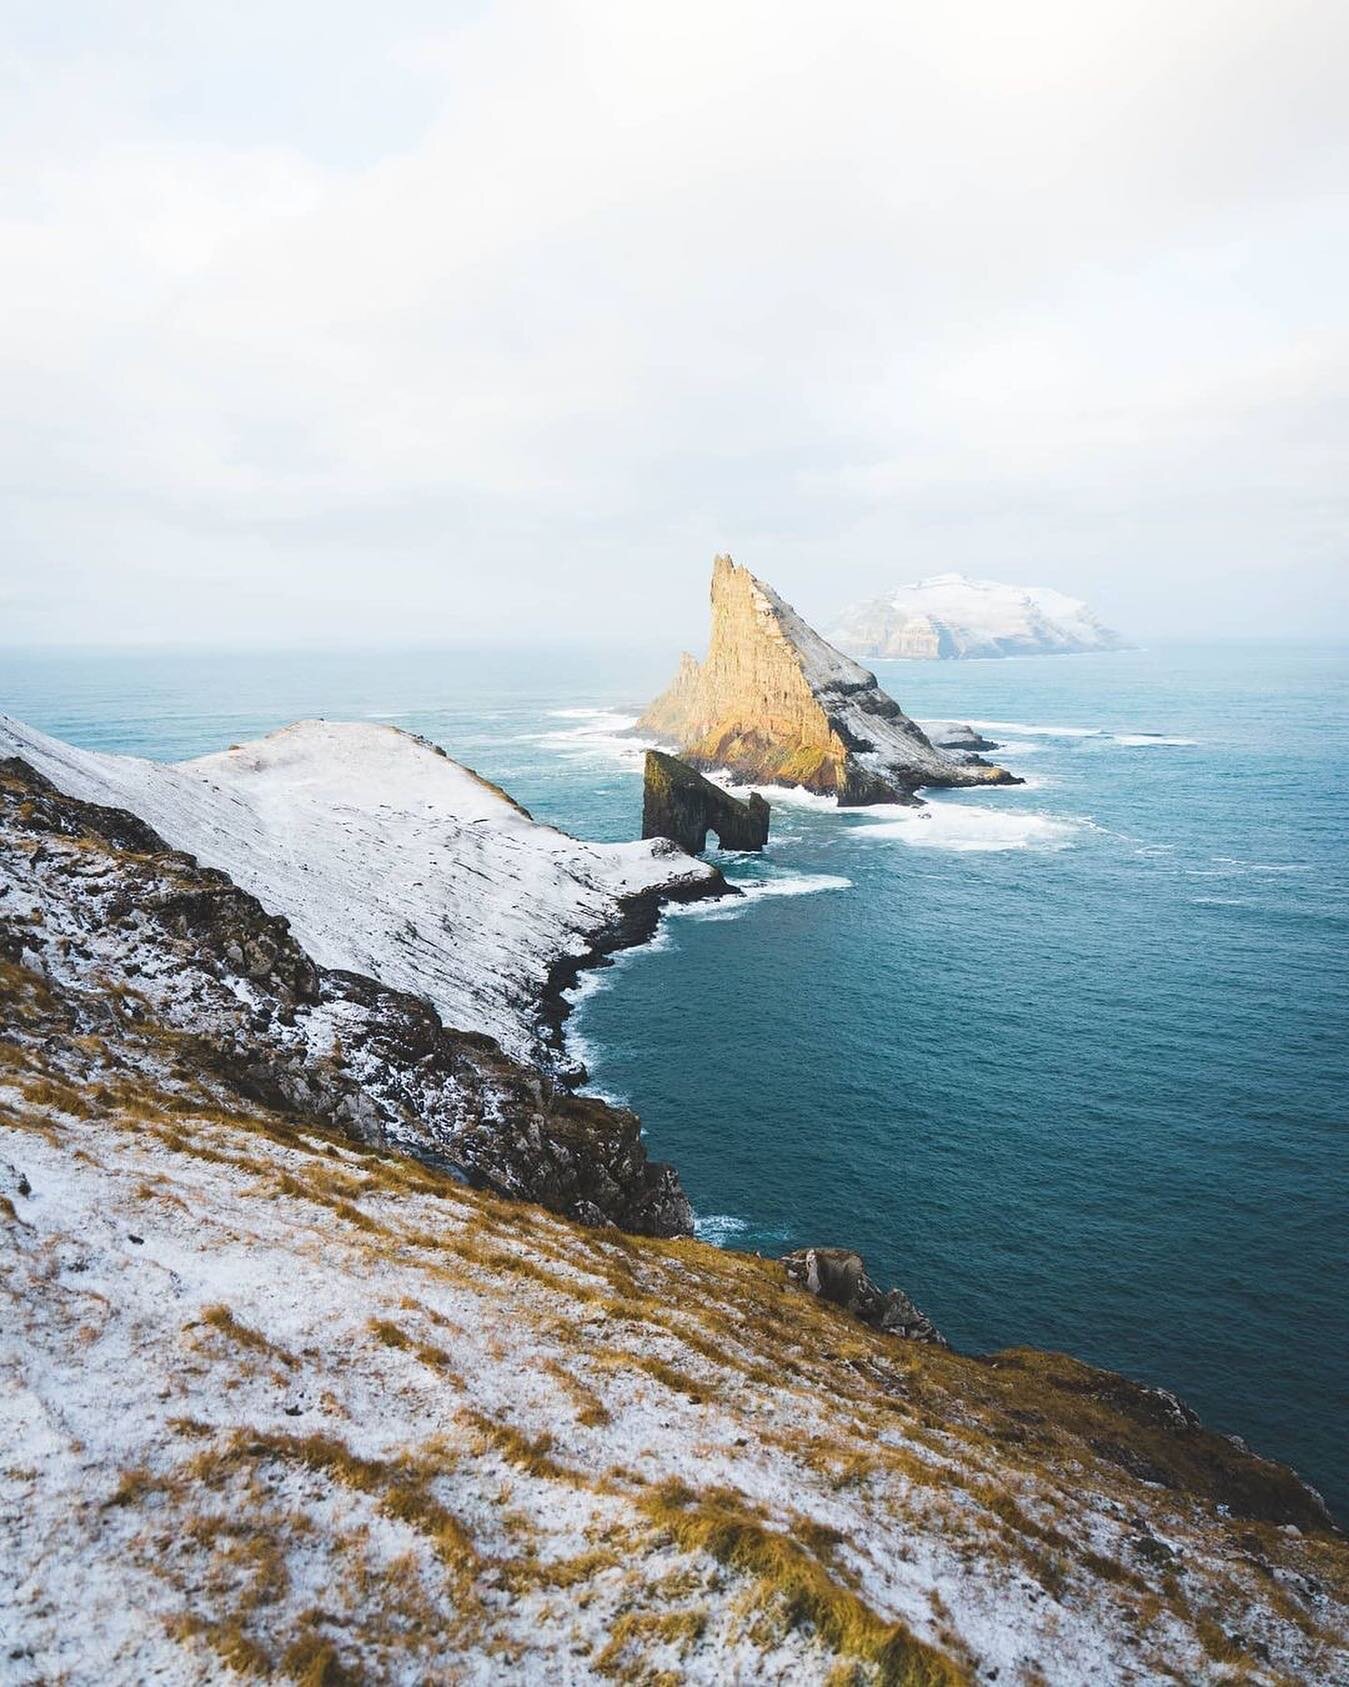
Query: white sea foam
pixel 1038 731
pixel 600 734
pixel 792 884
pixel 1226 867
pixel 1013 749
pixel 719 1228
pixel 969 828
pixel 777 796
pixel 784 883
pixel 1129 740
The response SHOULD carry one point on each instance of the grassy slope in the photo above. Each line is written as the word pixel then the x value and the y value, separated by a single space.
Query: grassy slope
pixel 280 1404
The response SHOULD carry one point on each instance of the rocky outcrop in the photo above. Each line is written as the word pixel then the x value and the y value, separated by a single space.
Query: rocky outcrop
pixel 956 735
pixel 774 704
pixel 127 933
pixel 840 1276
pixel 679 803
pixel 948 616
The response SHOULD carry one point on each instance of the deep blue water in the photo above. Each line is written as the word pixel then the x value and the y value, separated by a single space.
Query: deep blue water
pixel 1070 1062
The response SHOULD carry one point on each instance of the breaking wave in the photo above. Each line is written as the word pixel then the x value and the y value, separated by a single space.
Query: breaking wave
pixel 1129 740
pixel 969 828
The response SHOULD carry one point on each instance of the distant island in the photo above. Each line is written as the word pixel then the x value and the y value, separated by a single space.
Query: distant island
pixel 948 616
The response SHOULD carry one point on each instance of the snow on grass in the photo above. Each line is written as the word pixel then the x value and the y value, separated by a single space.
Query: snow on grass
pixel 275 1403
pixel 388 859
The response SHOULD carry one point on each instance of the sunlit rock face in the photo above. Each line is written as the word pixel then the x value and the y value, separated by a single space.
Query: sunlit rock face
pixel 774 704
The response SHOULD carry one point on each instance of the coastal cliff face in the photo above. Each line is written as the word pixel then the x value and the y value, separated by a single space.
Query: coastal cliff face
pixel 138 942
pixel 679 803
pixel 393 861
pixel 774 704
pixel 281 1404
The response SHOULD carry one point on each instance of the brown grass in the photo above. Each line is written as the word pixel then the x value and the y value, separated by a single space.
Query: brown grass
pixel 722 1525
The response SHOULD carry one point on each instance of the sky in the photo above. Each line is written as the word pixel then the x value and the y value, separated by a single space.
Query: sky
pixel 331 323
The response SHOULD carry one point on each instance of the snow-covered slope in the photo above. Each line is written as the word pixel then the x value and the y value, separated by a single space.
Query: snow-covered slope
pixel 948 615
pixel 387 858
pixel 274 1407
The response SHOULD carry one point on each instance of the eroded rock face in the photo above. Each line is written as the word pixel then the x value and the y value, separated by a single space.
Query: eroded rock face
pixel 840 1276
pixel 679 803
pixel 776 705
pixel 143 948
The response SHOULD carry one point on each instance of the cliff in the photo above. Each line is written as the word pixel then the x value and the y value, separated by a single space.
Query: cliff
pixel 774 704
pixel 283 1405
pixel 679 803
pixel 126 933
pixel 949 616
pixel 393 861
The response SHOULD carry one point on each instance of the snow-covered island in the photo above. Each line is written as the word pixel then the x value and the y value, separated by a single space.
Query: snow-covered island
pixel 290 1390
pixel 950 616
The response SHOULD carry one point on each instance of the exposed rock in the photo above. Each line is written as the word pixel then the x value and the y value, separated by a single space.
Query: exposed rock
pixel 840 1276
pixel 127 930
pixel 949 616
pixel 956 735
pixel 679 803
pixel 775 705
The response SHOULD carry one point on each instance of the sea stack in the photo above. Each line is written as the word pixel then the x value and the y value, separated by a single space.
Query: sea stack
pixel 679 803
pixel 774 704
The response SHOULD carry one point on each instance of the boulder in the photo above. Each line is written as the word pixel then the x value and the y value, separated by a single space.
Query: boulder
pixel 839 1276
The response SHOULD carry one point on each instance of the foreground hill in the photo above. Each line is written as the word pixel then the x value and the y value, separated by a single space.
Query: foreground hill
pixel 774 704
pixel 948 615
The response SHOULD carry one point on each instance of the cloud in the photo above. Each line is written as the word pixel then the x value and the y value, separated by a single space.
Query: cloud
pixel 505 326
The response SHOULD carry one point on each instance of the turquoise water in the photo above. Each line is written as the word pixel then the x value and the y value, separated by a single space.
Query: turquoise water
pixel 1069 1062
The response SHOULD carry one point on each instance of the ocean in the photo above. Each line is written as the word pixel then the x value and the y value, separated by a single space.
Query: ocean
pixel 1069 1061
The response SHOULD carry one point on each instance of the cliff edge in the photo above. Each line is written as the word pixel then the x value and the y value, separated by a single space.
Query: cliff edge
pixel 775 704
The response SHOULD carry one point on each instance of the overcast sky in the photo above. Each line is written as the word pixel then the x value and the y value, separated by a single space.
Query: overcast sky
pixel 337 321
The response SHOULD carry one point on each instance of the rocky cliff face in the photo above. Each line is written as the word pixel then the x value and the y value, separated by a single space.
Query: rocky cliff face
pixel 258 1339
pixel 679 803
pixel 774 704
pixel 138 942
pixel 281 1405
